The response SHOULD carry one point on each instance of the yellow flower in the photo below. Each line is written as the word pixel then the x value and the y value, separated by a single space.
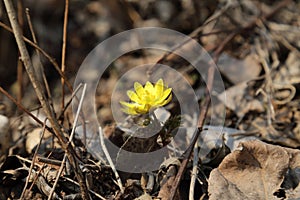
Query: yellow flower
pixel 146 98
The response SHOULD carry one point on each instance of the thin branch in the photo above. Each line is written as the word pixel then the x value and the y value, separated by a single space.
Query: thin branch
pixel 42 98
pixel 33 160
pixel 70 140
pixel 194 172
pixel 52 60
pixel 63 56
pixel 20 7
pixel 70 101
pixel 62 166
pixel 39 58
pixel 77 113
pixel 21 107
pixel 201 120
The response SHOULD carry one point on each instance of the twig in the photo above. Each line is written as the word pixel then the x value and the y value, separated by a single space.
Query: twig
pixel 63 52
pixel 70 140
pixel 33 160
pixel 20 64
pixel 42 98
pixel 91 191
pixel 52 60
pixel 194 172
pixel 39 57
pixel 49 161
pixel 78 112
pixel 110 160
pixel 57 177
pixel 201 120
pixel 21 107
pixel 70 101
pixel 38 173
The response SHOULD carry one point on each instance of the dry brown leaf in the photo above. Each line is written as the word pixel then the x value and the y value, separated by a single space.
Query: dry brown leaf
pixel 238 99
pixel 167 178
pixel 256 171
pixel 239 70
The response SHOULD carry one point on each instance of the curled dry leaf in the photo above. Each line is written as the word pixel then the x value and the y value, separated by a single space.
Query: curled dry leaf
pixel 257 171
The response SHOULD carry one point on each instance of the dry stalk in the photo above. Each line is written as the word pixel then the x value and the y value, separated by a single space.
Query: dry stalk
pixel 42 98
pixel 52 60
pixel 110 160
pixel 63 50
pixel 39 57
pixel 33 160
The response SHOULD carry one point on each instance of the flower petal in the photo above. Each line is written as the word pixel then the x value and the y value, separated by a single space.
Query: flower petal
pixel 142 109
pixel 167 100
pixel 139 89
pixel 166 93
pixel 133 96
pixel 146 97
pixel 129 111
pixel 149 89
pixel 127 105
pixel 159 87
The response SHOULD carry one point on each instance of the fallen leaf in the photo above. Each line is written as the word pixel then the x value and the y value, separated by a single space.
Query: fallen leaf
pixel 256 171
pixel 238 99
pixel 239 70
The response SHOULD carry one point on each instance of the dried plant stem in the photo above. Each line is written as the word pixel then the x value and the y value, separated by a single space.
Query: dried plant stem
pixel 70 140
pixel 42 98
pixel 52 60
pixel 91 191
pixel 194 172
pixel 20 65
pixel 63 52
pixel 39 57
pixel 33 160
pixel 21 107
pixel 110 160
pixel 57 177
